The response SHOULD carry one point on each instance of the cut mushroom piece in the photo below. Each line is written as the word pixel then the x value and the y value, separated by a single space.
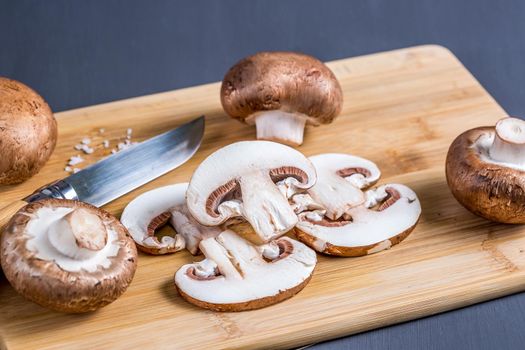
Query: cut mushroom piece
pixel 250 179
pixel 237 275
pixel 485 171
pixel 150 211
pixel 388 215
pixel 66 255
pixel 335 172
pixel 280 92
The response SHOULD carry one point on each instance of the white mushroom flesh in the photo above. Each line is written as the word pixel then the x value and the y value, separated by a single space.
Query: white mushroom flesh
pixel 335 172
pixel 79 234
pixel 264 206
pixel 367 225
pixel 72 240
pixel 252 179
pixel 206 268
pixel 169 204
pixel 279 125
pixel 505 146
pixel 243 274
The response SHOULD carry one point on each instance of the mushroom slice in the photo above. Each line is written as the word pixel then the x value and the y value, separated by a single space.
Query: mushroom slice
pixel 335 172
pixel 161 206
pixel 250 179
pixel 237 275
pixel 66 255
pixel 485 171
pixel 388 215
pixel 280 92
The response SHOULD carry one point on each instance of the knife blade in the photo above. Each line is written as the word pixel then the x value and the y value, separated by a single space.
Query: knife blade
pixel 126 170
pixel 120 173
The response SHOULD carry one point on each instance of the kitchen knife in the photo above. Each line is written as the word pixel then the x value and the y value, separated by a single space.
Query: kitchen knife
pixel 122 172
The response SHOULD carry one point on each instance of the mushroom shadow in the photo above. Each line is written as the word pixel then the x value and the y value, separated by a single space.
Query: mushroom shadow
pixel 170 293
pixel 15 306
pixel 441 210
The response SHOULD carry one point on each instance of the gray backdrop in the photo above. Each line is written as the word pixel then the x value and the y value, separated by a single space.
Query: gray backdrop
pixel 78 53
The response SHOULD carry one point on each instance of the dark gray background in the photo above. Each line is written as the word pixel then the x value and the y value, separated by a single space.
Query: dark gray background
pixel 78 53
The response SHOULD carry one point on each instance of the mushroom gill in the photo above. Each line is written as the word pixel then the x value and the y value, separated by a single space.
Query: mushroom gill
pixel 347 172
pixel 224 193
pixel 282 173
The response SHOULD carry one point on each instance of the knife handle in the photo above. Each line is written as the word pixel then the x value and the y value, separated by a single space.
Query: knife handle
pixel 7 212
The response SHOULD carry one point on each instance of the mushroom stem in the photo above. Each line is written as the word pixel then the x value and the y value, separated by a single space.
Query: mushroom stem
pixel 276 125
pixel 265 207
pixel 78 235
pixel 224 260
pixel 190 230
pixel 336 195
pixel 509 141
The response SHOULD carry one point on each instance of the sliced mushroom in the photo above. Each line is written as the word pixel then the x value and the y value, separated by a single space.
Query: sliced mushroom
pixel 66 255
pixel 281 92
pixel 147 213
pixel 336 219
pixel 250 179
pixel 238 276
pixel 28 132
pixel 485 171
pixel 334 173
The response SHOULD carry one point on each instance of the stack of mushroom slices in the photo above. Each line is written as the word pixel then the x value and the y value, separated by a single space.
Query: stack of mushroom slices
pixel 272 192
pixel 66 255
pixel 236 274
pixel 337 217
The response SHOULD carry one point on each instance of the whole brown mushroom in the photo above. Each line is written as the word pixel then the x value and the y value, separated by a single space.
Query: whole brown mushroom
pixel 485 171
pixel 67 255
pixel 28 132
pixel 280 92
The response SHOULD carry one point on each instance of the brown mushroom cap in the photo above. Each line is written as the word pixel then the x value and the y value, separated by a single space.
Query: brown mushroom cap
pixel 287 81
pixel 28 132
pixel 46 283
pixel 493 191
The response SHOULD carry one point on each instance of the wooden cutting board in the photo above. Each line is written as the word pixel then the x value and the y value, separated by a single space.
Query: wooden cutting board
pixel 402 110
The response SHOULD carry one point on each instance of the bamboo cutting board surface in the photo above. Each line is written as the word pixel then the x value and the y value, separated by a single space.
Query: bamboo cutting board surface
pixel 402 110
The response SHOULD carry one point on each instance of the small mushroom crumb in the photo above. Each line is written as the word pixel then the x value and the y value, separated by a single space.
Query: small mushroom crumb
pixel 123 145
pixel 87 150
pixel 75 160
pixel 85 146
pixel 76 170
pixel 68 169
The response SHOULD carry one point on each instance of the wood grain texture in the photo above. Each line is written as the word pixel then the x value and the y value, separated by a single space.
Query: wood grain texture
pixel 402 110
pixel 8 210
